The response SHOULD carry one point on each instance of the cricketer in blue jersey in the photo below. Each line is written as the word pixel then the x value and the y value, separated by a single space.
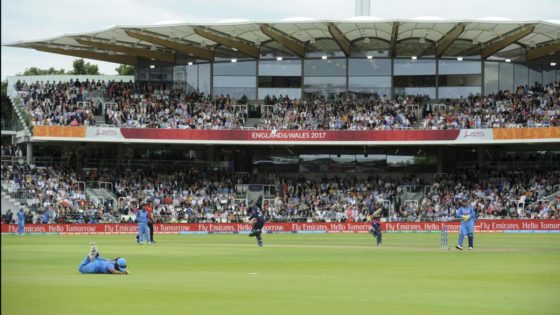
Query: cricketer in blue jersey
pixel 93 263
pixel 143 231
pixel 375 230
pixel 468 217
pixel 257 217
pixel 21 221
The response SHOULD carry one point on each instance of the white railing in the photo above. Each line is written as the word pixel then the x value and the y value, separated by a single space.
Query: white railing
pixel 406 188
pixel 266 109
pixel 412 203
pixel 270 190
pixel 439 107
pixel 241 189
pixel 427 189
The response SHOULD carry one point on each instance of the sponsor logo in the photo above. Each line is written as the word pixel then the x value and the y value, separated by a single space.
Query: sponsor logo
pixel 474 134
pixel 542 226
pixel 288 135
pixel 106 132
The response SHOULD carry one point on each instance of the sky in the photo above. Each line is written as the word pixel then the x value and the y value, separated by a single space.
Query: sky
pixel 24 20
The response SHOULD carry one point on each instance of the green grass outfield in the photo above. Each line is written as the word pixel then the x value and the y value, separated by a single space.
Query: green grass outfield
pixel 292 274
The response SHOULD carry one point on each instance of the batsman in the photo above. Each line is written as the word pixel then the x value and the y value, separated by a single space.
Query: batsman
pixel 375 230
pixel 257 217
pixel 468 217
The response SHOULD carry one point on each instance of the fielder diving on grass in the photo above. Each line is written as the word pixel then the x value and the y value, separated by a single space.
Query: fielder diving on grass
pixel 468 216
pixel 93 263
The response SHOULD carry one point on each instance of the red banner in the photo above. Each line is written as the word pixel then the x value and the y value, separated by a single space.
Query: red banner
pixel 302 137
pixel 289 135
pixel 203 228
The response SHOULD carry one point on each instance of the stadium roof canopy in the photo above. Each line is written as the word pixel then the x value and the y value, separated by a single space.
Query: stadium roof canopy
pixel 179 43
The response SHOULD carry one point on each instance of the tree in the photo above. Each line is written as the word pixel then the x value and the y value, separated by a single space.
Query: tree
pixel 82 67
pixel 6 111
pixel 37 71
pixel 125 70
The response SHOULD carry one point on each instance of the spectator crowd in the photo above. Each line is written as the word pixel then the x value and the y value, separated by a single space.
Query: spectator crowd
pixel 148 105
pixel 59 195
pixel 201 195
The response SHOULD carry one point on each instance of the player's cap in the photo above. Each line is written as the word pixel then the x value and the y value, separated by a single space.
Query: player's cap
pixel 122 264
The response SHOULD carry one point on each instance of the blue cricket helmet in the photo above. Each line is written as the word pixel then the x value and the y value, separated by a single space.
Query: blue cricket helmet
pixel 121 262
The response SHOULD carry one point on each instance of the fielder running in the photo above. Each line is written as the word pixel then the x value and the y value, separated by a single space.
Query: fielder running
pixel 468 217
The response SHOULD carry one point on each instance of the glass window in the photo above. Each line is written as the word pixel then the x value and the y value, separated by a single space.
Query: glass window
pixel 460 80
pixel 411 163
pixel 192 78
pixel 405 91
pixel 456 92
pixel 366 82
pixel 329 67
pixel 549 76
pixel 280 68
pixel 368 67
pixel 521 75
pixel 290 92
pixel 204 78
pixel 314 162
pixel 459 67
pixel 142 74
pixel 179 74
pixel 324 82
pixel 236 68
pixel 229 81
pixel 535 74
pixel 414 67
pixel 371 162
pixel 367 91
pixel 506 76
pixel 275 81
pixel 491 76
pixel 236 92
pixel 415 80
pixel 180 77
pixel 342 162
pixel 276 163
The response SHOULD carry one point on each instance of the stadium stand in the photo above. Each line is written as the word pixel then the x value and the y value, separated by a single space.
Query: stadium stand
pixel 143 105
pixel 218 195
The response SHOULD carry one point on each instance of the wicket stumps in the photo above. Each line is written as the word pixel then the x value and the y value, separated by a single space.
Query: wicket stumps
pixel 444 238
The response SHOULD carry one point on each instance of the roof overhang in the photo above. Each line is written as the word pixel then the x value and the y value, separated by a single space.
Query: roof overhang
pixel 498 38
